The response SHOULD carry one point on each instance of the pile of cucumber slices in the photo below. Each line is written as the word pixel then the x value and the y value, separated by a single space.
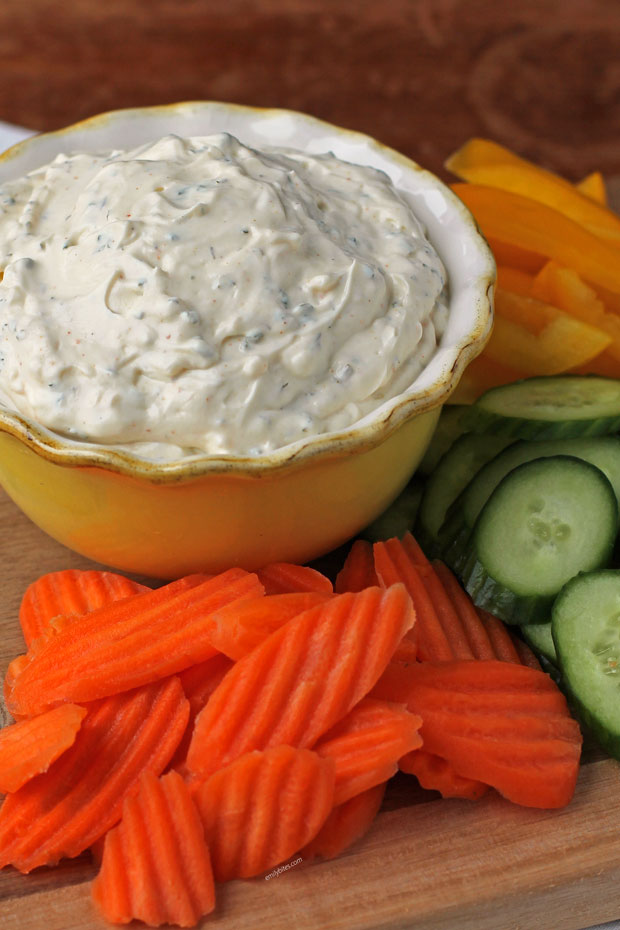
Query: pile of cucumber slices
pixel 522 501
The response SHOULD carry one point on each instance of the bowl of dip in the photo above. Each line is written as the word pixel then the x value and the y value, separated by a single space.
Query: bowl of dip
pixel 226 333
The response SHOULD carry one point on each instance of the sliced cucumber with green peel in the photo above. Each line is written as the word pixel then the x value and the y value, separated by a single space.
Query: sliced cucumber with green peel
pixel 558 407
pixel 453 473
pixel 586 632
pixel 454 535
pixel 448 430
pixel 540 638
pixel 545 522
pixel 399 517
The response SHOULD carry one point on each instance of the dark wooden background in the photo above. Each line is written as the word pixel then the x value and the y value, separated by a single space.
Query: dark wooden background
pixel 421 75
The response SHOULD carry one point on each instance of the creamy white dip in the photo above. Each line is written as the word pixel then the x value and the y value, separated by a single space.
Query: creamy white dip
pixel 195 295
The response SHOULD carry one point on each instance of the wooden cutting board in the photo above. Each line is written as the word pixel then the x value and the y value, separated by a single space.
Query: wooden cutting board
pixel 427 864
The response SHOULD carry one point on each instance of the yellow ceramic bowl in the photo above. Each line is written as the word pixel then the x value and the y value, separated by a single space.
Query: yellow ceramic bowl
pixel 294 504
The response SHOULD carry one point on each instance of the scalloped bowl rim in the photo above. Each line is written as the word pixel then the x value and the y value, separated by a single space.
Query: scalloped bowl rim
pixel 450 361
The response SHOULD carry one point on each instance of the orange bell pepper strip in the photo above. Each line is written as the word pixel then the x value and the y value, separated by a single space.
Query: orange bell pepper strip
pixel 480 375
pixel 536 227
pixel 510 256
pixel 593 186
pixel 540 339
pixel 483 162
pixel 563 288
pixel 515 280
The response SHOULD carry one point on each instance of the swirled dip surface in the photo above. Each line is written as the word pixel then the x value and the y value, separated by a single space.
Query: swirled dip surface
pixel 195 295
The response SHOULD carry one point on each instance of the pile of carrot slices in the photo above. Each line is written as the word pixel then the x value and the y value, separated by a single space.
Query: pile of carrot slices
pixel 216 727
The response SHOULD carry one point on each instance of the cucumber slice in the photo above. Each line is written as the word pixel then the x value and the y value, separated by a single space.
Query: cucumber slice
pixel 399 517
pixel 454 535
pixel 559 407
pixel 448 430
pixel 586 631
pixel 540 638
pixel 546 521
pixel 453 473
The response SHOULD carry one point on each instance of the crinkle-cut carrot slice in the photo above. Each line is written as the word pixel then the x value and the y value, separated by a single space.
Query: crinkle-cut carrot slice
pixel 156 865
pixel 128 643
pixel 57 624
pixel 367 744
pixel 402 561
pixel 286 578
pixel 65 810
pixel 488 637
pixel 198 682
pixel 437 774
pixel 70 592
pixel 407 649
pixel 526 656
pixel 482 717
pixel 450 619
pixel 240 627
pixel 535 227
pixel 502 643
pixel 347 824
pixel 358 571
pixel 400 679
pixel 29 747
pixel 303 678
pixel 393 685
pixel 264 807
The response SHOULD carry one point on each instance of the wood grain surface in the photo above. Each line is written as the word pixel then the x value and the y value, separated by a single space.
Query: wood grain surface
pixel 427 864
pixel 421 75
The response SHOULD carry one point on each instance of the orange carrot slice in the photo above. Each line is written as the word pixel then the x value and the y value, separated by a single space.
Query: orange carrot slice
pixel 503 724
pixel 156 865
pixel 477 636
pixel 66 809
pixel 264 807
pixel 449 618
pixel 501 641
pixel 526 656
pixel 240 627
pixel 358 571
pixel 303 678
pixel 286 578
pixel 393 685
pixel 367 744
pixel 198 682
pixel 407 649
pixel 127 644
pixel 488 637
pixel 403 561
pixel 437 774
pixel 347 824
pixel 29 748
pixel 70 592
